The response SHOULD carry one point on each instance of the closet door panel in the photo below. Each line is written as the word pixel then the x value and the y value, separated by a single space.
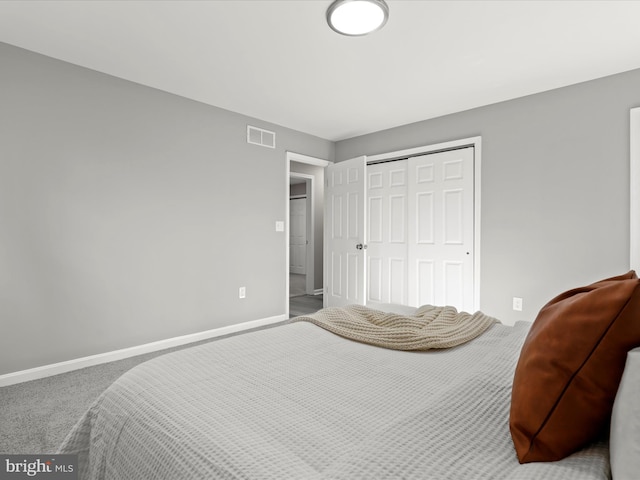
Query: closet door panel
pixel 375 285
pixel 423 218
pixel 423 277
pixel 441 228
pixel 387 232
pixel 397 281
pixel 453 283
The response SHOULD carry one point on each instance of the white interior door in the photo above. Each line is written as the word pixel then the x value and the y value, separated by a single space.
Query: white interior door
pixel 441 229
pixel 387 190
pixel 298 235
pixel 345 266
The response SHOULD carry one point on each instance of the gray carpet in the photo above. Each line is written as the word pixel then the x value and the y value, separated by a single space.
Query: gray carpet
pixel 36 416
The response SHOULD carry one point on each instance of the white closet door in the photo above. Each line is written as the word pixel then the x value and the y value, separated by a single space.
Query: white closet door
pixel 345 269
pixel 441 229
pixel 387 216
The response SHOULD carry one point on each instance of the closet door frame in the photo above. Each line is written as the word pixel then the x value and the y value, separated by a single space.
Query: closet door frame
pixel 476 143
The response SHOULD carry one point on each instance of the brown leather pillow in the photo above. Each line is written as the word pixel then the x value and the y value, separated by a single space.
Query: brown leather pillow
pixel 570 367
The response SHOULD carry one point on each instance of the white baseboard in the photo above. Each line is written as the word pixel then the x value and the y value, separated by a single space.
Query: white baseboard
pixel 75 364
pixel 318 291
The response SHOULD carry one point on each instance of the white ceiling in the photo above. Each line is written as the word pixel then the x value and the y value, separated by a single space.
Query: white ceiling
pixel 279 61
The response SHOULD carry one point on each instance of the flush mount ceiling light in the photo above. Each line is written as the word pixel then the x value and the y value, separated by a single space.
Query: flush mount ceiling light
pixel 357 17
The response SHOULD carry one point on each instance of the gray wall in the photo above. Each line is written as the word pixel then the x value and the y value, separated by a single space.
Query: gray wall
pixel 129 215
pixel 318 219
pixel 555 187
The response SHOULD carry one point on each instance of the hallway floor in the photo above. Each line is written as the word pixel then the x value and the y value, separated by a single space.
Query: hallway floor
pixel 304 304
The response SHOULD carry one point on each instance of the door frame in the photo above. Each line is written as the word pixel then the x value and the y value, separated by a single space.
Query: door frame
pixel 309 160
pixel 634 189
pixel 476 143
pixel 309 225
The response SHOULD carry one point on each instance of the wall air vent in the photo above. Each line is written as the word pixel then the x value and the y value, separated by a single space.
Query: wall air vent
pixel 259 136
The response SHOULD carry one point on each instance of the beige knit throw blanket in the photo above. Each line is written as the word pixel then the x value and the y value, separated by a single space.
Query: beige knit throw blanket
pixel 430 327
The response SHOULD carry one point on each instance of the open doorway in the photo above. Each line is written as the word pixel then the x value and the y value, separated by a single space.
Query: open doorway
pixel 304 233
pixel 301 235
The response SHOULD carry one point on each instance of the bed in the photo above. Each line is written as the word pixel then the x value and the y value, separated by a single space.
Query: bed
pixel 297 401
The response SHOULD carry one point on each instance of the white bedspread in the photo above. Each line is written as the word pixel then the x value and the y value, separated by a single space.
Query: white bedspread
pixel 299 402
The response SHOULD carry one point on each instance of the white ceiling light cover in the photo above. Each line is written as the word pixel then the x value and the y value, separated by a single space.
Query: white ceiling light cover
pixel 357 17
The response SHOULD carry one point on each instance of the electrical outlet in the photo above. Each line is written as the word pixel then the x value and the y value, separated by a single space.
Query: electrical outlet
pixel 242 292
pixel 517 304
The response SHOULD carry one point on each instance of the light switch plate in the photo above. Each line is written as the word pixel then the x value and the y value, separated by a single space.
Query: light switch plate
pixel 279 226
pixel 517 304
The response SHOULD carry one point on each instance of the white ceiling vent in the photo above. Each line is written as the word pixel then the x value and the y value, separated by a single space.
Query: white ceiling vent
pixel 259 136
